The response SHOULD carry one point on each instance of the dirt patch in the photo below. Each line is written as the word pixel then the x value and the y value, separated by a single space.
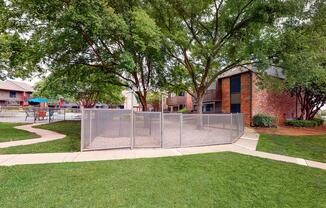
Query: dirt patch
pixel 292 131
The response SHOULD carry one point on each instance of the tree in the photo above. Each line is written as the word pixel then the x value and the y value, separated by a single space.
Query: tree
pixel 85 85
pixel 116 37
pixel 207 38
pixel 302 55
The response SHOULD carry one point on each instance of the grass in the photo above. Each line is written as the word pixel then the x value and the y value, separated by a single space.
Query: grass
pixel 9 133
pixel 307 147
pixel 71 143
pixel 207 180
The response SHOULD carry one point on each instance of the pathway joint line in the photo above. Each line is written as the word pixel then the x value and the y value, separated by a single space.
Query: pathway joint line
pixel 301 161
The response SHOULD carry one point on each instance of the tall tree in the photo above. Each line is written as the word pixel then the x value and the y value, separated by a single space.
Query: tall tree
pixel 302 55
pixel 85 85
pixel 206 38
pixel 116 37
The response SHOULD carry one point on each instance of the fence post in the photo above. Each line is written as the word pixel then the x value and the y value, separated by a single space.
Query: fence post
pixel 231 127
pixel 161 128
pixel 64 114
pixel 238 124
pixel 181 124
pixel 132 129
pixel 82 131
pixel 90 126
pixel 49 115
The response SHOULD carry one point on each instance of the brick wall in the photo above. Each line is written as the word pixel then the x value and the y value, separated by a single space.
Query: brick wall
pixel 226 95
pixel 188 104
pixel 245 97
pixel 281 105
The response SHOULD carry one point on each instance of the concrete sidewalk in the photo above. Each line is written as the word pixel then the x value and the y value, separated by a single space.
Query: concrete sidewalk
pixel 42 158
pixel 245 145
pixel 46 136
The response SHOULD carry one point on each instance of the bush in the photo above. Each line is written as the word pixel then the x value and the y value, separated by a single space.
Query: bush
pixel 183 110
pixel 319 121
pixel 305 123
pixel 263 120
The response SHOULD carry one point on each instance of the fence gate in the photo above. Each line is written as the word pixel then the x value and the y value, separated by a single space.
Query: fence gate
pixel 147 129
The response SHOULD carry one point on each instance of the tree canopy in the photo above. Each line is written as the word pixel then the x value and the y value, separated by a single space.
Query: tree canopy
pixel 84 85
pixel 206 38
pixel 302 55
pixel 115 37
pixel 149 45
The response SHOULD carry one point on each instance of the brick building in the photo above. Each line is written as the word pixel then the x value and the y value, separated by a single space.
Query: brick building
pixel 179 101
pixel 14 93
pixel 237 91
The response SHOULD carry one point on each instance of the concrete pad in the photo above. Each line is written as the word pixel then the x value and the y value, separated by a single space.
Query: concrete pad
pixel 4 158
pixel 41 158
pixel 71 157
pixel 301 161
pixel 250 135
pixel 105 155
pixel 315 164
pixel 151 153
pixel 268 156
pixel 247 143
pixel 204 149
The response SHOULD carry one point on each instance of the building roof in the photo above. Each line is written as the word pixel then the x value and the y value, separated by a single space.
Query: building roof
pixel 15 86
pixel 271 71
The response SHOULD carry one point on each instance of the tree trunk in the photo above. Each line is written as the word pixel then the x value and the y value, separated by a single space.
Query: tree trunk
pixel 143 100
pixel 199 100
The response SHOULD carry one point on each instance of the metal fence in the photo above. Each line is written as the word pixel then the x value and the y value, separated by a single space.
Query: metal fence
pixel 110 129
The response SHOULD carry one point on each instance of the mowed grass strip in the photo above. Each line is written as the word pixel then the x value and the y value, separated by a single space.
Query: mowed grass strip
pixel 8 132
pixel 206 180
pixel 71 143
pixel 307 147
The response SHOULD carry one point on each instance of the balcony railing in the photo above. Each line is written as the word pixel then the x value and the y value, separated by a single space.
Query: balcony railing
pixel 211 95
pixel 176 100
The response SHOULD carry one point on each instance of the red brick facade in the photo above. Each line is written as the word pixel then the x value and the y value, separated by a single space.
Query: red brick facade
pixel 226 95
pixel 282 105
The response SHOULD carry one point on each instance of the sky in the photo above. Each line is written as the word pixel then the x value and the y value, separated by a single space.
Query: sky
pixel 31 82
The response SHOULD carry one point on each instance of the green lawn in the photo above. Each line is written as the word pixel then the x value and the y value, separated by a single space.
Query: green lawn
pixel 207 180
pixel 71 143
pixel 9 133
pixel 307 147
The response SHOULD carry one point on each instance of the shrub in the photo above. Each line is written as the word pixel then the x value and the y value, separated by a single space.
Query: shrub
pixel 263 120
pixel 305 123
pixel 183 110
pixel 319 121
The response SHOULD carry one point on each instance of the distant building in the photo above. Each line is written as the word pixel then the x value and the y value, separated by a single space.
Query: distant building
pixel 130 101
pixel 237 91
pixel 14 93
pixel 176 102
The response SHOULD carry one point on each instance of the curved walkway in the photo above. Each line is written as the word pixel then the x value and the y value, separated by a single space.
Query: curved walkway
pixel 245 145
pixel 46 136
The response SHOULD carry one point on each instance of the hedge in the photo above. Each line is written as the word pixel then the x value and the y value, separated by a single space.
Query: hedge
pixel 263 120
pixel 305 123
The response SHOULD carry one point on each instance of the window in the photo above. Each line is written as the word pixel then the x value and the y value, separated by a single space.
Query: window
pixel 12 94
pixel 235 96
pixel 182 94
pixel 208 108
pixel 235 84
